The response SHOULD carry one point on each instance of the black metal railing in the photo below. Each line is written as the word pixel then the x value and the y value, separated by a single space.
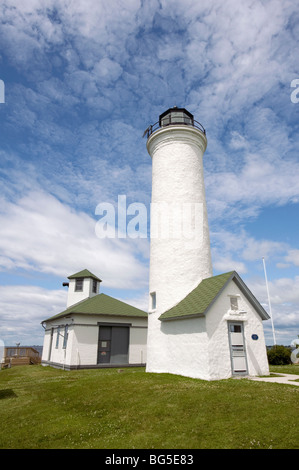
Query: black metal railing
pixel 154 127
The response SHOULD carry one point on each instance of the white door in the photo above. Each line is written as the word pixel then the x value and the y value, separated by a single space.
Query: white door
pixel 237 348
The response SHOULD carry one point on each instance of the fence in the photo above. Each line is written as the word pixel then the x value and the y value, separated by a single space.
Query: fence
pixel 16 356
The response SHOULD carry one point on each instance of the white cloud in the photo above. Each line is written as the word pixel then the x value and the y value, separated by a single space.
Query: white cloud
pixel 140 301
pixel 239 243
pixel 284 298
pixel 238 141
pixel 225 264
pixel 41 234
pixel 257 184
pixel 23 308
pixel 107 71
pixel 282 265
pixel 293 257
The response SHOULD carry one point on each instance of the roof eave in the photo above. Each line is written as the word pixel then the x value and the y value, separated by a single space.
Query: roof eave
pixel 181 317
pixel 58 317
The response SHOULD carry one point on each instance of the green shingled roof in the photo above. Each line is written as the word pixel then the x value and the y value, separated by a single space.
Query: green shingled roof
pixel 102 304
pixel 197 302
pixel 84 273
pixel 201 298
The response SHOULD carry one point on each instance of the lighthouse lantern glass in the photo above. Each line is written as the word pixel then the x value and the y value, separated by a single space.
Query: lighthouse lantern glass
pixel 176 116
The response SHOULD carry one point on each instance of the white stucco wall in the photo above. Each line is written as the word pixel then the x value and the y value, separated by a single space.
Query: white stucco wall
pixel 138 346
pixel 187 347
pixel 199 347
pixel 177 264
pixel 85 344
pixel 217 329
pixel 182 349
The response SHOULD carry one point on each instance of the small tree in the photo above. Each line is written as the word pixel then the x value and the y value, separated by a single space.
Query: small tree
pixel 279 355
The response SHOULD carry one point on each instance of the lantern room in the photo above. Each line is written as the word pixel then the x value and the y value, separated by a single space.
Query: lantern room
pixel 176 116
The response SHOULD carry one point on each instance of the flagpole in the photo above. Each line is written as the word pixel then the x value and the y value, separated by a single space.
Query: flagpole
pixel 271 316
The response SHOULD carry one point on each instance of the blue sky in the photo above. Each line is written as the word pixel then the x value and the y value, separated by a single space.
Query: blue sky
pixel 83 80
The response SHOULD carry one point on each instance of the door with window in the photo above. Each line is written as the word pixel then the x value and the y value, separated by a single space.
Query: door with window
pixel 113 347
pixel 237 348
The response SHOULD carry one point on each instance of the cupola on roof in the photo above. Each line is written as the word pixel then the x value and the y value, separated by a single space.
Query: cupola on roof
pixel 84 273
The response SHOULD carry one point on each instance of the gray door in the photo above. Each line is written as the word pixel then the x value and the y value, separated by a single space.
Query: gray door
pixel 113 345
pixel 104 348
pixel 237 348
pixel 120 345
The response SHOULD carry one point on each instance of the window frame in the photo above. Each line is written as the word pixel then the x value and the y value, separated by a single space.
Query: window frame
pixel 65 337
pixel 79 280
pixel 57 338
pixel 153 297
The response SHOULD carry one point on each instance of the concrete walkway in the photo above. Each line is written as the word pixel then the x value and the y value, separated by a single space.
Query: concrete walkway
pixel 279 378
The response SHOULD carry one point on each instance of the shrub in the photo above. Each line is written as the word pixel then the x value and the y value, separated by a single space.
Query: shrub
pixel 279 355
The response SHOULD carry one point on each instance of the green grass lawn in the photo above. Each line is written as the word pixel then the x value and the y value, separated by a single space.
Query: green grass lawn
pixel 46 408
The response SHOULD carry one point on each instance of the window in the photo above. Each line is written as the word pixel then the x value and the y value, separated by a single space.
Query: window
pixel 234 303
pixel 57 338
pixel 65 337
pixel 153 300
pixel 235 328
pixel 79 285
pixel 94 286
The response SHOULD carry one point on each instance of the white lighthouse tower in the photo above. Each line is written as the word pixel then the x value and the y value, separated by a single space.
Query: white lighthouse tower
pixel 199 325
pixel 180 246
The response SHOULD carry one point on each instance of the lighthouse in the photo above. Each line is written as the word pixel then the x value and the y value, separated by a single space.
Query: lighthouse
pixel 180 245
pixel 199 325
pixel 180 255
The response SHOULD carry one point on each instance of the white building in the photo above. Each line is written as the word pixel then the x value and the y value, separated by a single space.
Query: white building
pixel 199 325
pixel 95 330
